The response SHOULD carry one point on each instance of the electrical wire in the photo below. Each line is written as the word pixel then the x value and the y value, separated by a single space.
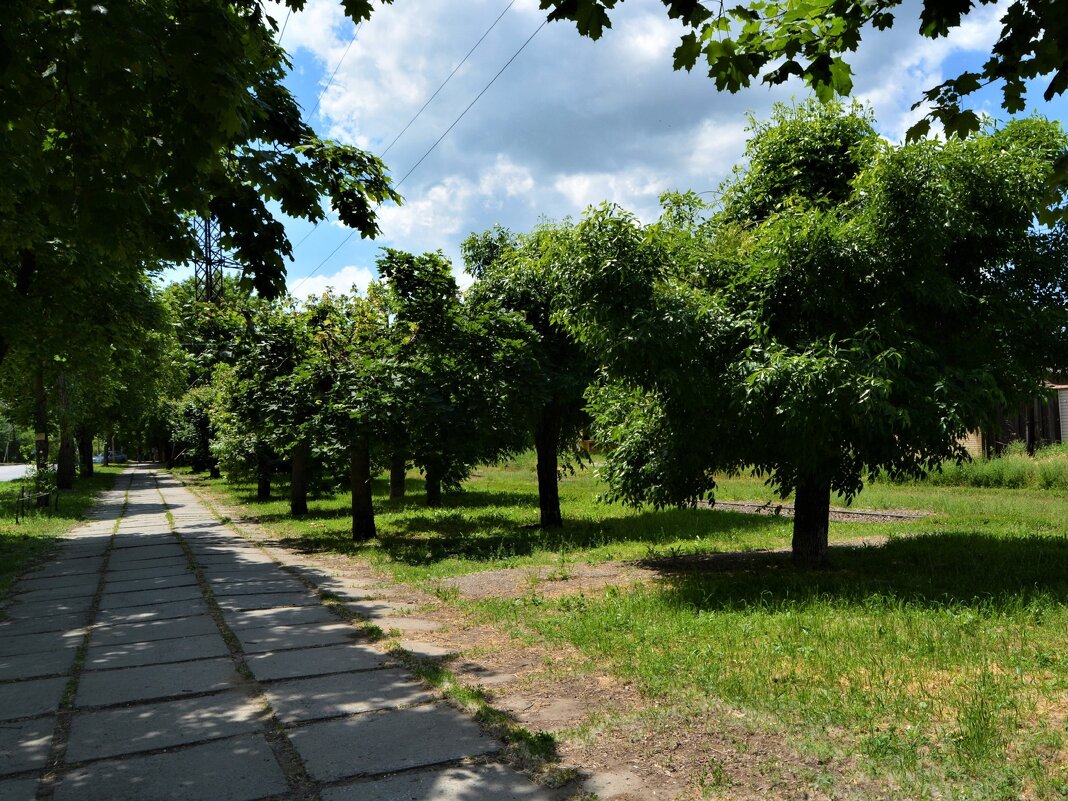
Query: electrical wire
pixel 443 83
pixel 427 103
pixel 282 33
pixel 430 149
pixel 330 82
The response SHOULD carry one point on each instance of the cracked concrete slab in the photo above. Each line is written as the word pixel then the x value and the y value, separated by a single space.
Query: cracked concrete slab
pixel 149 682
pixel 343 694
pixel 146 727
pixel 154 652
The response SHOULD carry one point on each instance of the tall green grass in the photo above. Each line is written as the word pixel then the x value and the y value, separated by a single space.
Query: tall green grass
pixel 1013 469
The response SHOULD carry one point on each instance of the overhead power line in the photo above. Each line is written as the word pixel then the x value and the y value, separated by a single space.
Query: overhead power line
pixel 443 83
pixel 282 33
pixel 333 74
pixel 430 149
pixel 427 103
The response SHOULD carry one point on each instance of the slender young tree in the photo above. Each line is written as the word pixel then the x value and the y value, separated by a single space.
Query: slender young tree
pixel 518 273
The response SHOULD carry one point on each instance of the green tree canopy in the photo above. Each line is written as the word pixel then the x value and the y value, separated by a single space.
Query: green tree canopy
pixel 779 39
pixel 859 325
pixel 120 121
pixel 516 272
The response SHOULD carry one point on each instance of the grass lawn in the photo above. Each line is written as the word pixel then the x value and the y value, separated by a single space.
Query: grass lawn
pixel 934 666
pixel 32 537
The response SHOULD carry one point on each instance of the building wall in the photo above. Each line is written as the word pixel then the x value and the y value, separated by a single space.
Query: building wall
pixel 975 443
pixel 1062 401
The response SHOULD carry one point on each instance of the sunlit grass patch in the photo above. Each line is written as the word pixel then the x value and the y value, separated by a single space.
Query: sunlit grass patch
pixel 31 537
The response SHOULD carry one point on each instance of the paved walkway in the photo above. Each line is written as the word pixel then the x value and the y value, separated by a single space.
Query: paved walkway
pixel 153 660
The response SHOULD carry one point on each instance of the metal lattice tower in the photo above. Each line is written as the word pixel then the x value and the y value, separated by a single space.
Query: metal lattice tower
pixel 208 267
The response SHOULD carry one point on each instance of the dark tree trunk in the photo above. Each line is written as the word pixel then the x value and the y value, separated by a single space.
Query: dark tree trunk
pixel 433 484
pixel 397 472
pixel 263 479
pixel 363 510
pixel 547 446
pixel 85 451
pixel 298 478
pixel 812 509
pixel 65 462
pixel 40 419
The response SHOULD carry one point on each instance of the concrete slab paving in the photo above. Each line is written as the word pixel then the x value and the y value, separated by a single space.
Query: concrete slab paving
pixel 278 616
pixel 122 584
pixel 85 590
pixel 302 662
pixel 86 581
pixel 168 611
pixel 36 642
pixel 154 630
pixel 60 606
pixel 23 699
pixel 157 567
pixel 65 568
pixel 150 682
pixel 160 709
pixel 123 600
pixel 38 625
pixel 239 603
pixel 146 727
pixel 18 790
pixel 257 587
pixel 24 746
pixel 343 694
pixel 31 666
pixel 459 783
pixel 155 652
pixel 384 742
pixel 237 769
pixel 280 638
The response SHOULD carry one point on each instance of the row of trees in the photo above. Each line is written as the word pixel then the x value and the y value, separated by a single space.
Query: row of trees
pixel 411 373
pixel 847 309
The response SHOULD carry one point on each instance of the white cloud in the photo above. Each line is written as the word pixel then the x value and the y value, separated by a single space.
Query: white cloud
pixel 346 280
pixel 635 189
pixel 904 73
pixel 571 122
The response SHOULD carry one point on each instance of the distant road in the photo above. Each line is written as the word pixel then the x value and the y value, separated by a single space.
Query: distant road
pixel 13 471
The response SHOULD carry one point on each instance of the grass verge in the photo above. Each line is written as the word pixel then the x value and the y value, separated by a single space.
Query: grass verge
pixel 932 666
pixel 32 537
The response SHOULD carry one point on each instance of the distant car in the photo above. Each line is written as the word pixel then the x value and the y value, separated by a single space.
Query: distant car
pixel 98 459
pixel 118 456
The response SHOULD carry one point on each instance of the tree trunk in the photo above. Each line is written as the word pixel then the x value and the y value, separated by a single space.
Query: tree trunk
pixel 65 461
pixel 397 473
pixel 40 415
pixel 433 484
pixel 85 451
pixel 363 510
pixel 298 478
pixel 812 509
pixel 547 446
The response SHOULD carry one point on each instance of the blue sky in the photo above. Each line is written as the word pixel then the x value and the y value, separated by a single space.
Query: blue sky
pixel 569 123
